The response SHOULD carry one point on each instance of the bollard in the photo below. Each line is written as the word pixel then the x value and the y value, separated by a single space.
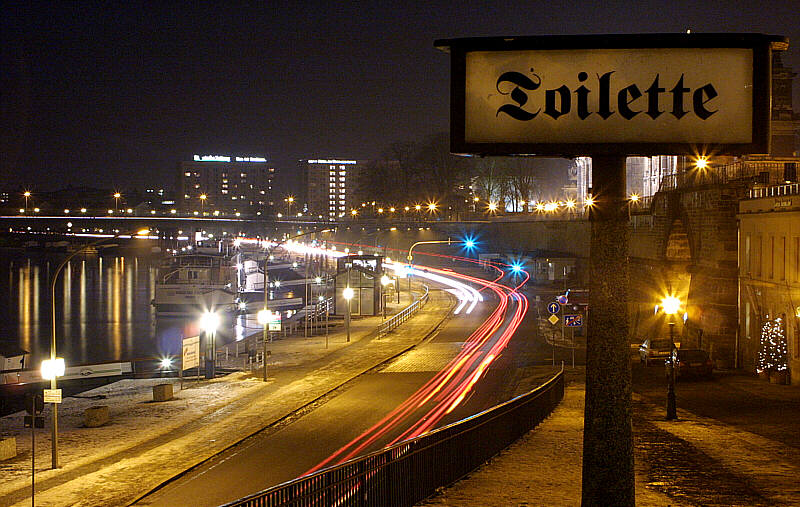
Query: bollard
pixel 162 392
pixel 96 416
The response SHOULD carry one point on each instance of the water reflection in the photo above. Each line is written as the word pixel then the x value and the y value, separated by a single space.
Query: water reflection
pixel 103 310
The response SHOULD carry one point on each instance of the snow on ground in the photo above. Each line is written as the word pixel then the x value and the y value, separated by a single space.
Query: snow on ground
pixel 134 417
pixel 148 442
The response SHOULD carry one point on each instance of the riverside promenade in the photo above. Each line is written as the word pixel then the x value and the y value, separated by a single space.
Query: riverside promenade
pixel 147 443
pixel 741 449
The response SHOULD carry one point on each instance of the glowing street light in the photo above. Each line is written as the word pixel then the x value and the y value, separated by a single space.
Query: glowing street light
pixel 347 294
pixel 264 317
pixel 289 201
pixel 492 206
pixel 209 322
pixel 117 195
pixel 701 163
pixel 671 305
pixel 203 198
pixel 27 194
pixel 432 207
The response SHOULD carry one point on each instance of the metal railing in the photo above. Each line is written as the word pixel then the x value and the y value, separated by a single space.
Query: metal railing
pixel 765 172
pixel 413 470
pixel 404 315
pixel 774 191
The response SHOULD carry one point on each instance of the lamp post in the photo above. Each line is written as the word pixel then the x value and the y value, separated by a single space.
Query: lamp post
pixel 671 305
pixel 27 194
pixel 410 256
pixel 210 322
pixel 117 195
pixel 53 358
pixel 289 201
pixel 203 198
pixel 263 319
pixel 347 294
pixel 384 283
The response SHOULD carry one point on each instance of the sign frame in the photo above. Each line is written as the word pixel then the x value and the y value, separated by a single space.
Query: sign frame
pixel 52 395
pixel 762 46
pixel 190 348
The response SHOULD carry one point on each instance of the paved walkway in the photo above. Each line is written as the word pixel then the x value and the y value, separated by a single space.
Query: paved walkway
pixel 693 461
pixel 147 443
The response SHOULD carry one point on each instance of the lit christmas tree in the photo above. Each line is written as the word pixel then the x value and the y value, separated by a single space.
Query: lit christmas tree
pixel 773 352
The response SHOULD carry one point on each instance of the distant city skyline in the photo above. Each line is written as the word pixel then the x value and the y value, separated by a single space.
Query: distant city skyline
pixel 124 95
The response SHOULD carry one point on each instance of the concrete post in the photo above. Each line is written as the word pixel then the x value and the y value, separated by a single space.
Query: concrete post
pixel 608 471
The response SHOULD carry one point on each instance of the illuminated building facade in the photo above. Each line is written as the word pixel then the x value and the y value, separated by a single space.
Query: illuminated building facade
pixel 329 186
pixel 226 185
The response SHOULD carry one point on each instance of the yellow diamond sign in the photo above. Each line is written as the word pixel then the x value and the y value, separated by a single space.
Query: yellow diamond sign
pixel 553 320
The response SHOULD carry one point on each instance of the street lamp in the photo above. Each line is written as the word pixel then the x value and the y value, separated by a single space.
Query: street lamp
pixel 26 194
pixel 671 305
pixel 210 322
pixel 384 283
pixel 410 256
pixel 117 195
pixel 263 319
pixel 289 201
pixel 53 358
pixel 203 198
pixel 347 294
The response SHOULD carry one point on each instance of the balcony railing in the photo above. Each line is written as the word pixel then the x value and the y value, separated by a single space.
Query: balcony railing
pixel 774 191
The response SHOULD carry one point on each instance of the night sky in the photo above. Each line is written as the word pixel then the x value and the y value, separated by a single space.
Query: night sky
pixel 116 97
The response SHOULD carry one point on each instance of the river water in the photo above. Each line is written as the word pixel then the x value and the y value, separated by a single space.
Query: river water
pixel 103 310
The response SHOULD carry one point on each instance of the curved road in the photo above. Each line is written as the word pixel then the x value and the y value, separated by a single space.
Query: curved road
pixel 447 378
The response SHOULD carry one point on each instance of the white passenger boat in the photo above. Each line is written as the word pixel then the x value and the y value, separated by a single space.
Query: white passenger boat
pixel 191 283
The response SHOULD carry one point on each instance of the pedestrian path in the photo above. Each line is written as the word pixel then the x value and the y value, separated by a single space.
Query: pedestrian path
pixel 147 443
pixel 693 461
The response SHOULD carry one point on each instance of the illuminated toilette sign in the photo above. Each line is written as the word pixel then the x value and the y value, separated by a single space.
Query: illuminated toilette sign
pixel 645 94
pixel 332 161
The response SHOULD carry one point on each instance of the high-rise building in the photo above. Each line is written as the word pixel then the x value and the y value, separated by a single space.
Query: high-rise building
pixel 226 185
pixel 329 186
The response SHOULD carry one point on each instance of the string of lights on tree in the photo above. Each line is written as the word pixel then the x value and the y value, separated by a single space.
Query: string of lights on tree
pixel 772 355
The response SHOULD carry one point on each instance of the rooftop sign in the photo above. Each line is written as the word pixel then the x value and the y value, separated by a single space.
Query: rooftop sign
pixel 226 158
pixel 618 94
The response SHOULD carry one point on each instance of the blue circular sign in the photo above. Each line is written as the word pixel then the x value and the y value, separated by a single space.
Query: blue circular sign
pixel 553 307
pixel 562 299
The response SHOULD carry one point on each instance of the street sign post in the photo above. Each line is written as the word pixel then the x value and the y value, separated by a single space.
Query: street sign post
pixel 610 97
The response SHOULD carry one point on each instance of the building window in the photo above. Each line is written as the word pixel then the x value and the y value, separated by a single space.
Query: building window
pixel 771 257
pixel 747 255
pixel 757 255
pixel 797 259
pixel 747 320
pixel 783 258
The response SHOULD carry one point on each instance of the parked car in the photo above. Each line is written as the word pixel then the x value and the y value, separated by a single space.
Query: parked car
pixel 655 349
pixel 691 363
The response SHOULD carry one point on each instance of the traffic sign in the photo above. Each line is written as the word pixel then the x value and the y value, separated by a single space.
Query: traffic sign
pixel 573 320
pixel 562 299
pixel 553 320
pixel 553 307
